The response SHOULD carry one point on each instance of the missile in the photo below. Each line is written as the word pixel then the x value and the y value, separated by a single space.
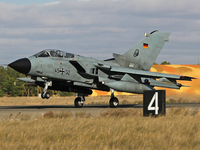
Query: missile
pixel 29 80
pixel 123 86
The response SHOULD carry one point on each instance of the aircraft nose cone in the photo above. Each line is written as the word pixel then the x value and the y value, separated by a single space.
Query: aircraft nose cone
pixel 22 65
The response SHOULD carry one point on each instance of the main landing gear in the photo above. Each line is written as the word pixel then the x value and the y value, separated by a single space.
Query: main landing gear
pixel 114 102
pixel 79 101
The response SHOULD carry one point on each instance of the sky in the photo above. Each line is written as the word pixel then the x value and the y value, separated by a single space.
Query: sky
pixel 25 2
pixel 98 28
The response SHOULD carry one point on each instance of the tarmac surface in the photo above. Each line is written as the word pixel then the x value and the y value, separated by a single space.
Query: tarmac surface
pixel 35 111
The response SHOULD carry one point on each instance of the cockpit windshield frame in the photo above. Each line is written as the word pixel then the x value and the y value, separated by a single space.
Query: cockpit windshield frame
pixel 54 53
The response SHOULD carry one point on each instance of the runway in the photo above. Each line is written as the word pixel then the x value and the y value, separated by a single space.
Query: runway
pixel 37 110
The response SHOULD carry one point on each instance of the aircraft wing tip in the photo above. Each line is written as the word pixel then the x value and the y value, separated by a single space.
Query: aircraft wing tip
pixel 187 78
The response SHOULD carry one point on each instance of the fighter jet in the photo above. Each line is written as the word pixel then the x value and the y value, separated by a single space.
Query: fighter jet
pixel 128 72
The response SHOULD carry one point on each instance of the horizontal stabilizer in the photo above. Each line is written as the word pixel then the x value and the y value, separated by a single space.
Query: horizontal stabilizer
pixel 143 73
pixel 150 74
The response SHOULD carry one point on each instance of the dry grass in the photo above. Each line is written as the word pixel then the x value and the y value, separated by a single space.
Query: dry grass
pixel 114 129
pixel 35 101
pixel 64 100
pixel 123 99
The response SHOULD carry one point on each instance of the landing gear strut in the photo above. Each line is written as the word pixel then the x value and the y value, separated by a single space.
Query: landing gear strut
pixel 114 102
pixel 79 101
pixel 46 94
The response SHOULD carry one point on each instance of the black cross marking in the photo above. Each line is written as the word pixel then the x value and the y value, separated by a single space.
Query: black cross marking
pixel 62 71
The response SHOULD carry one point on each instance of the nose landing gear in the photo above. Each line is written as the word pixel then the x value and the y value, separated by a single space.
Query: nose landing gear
pixel 46 94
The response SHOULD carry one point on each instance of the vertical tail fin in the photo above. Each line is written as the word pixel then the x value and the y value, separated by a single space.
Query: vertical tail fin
pixel 143 55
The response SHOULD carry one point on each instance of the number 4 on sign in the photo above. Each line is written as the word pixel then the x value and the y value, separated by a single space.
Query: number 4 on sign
pixel 154 98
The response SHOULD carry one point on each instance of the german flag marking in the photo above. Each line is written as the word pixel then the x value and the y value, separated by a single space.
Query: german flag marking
pixel 145 45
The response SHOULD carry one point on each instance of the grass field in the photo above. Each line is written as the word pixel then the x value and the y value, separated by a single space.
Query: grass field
pixel 65 100
pixel 132 99
pixel 114 129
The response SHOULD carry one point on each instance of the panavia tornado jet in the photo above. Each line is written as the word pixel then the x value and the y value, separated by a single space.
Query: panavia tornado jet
pixel 129 72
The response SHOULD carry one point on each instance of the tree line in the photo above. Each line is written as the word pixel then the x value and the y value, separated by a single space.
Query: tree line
pixel 11 87
pixel 163 63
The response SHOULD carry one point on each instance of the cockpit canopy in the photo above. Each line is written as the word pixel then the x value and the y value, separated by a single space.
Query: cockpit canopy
pixel 53 53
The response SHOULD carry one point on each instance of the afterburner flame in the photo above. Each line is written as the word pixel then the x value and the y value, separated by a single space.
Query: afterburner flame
pixel 185 70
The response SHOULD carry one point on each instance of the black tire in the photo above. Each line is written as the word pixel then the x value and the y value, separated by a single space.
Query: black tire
pixel 114 102
pixel 42 95
pixel 47 95
pixel 77 102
